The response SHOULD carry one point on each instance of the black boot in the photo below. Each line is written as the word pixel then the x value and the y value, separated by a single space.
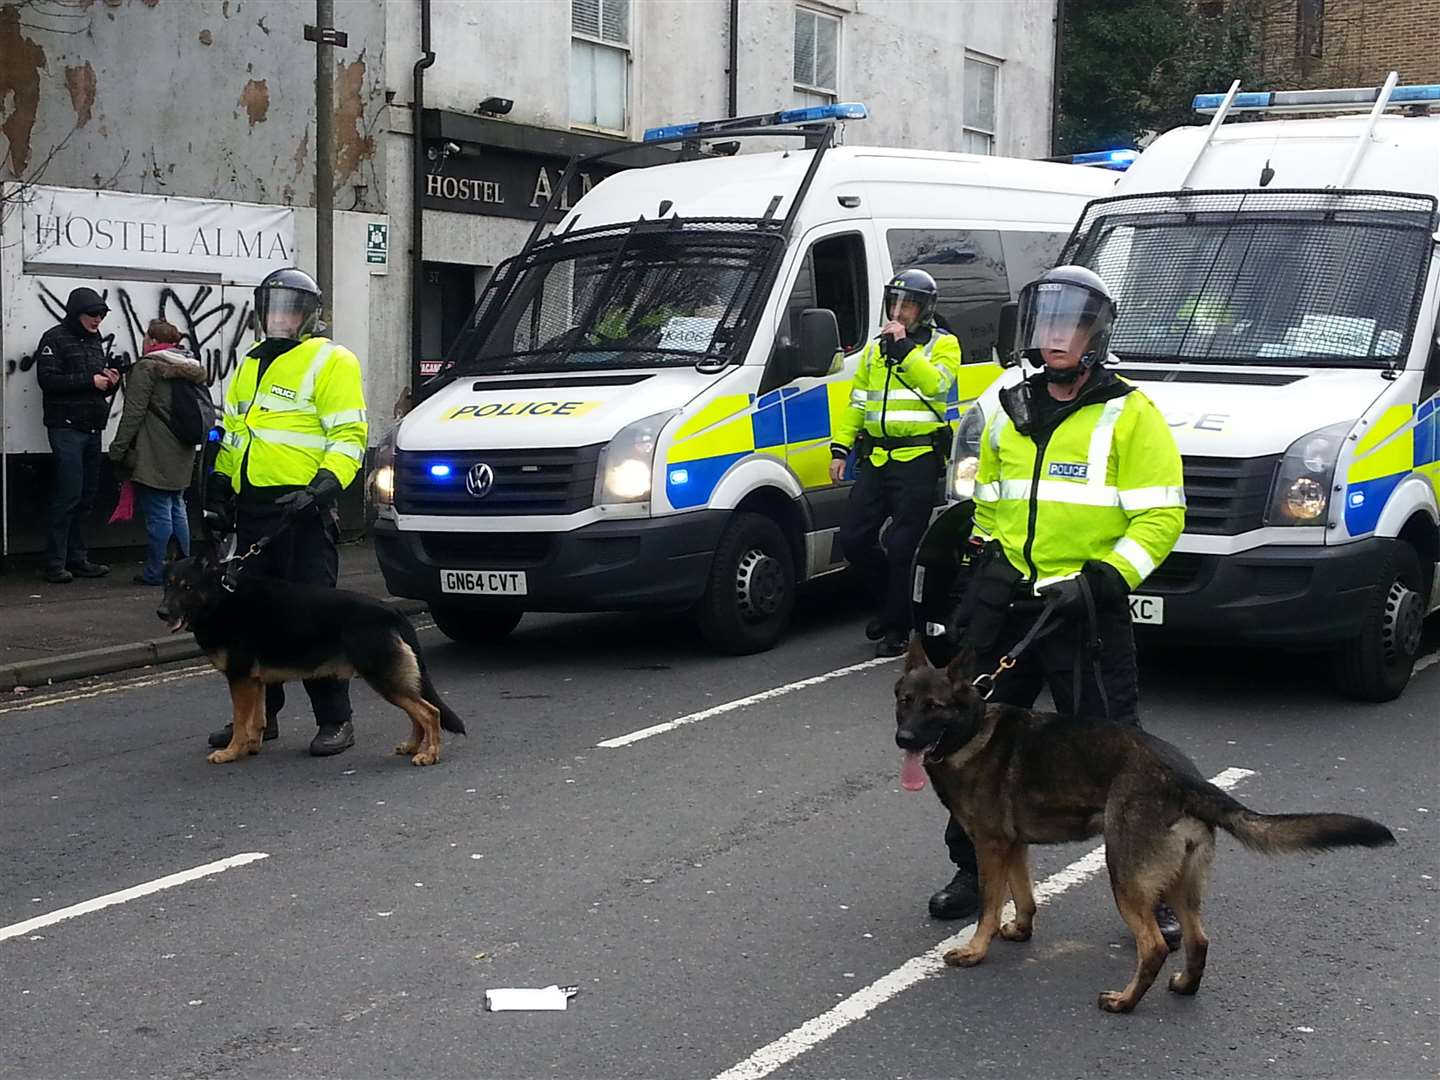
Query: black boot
pixel 332 739
pixel 958 900
pixel 894 643
pixel 221 739
pixel 1169 925
pixel 875 629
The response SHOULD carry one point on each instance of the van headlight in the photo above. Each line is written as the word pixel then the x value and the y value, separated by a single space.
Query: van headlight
pixel 1301 493
pixel 965 456
pixel 382 478
pixel 627 464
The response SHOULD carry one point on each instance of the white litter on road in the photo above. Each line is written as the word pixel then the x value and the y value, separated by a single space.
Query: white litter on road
pixel 815 1031
pixel 134 892
pixel 740 703
pixel 537 999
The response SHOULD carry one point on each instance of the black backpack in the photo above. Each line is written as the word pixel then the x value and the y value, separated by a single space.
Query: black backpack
pixel 192 412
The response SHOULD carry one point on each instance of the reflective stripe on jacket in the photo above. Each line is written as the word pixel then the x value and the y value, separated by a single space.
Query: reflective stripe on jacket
pixel 1105 484
pixel 907 400
pixel 306 413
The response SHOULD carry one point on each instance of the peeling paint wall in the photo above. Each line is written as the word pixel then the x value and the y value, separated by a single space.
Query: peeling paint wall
pixel 205 98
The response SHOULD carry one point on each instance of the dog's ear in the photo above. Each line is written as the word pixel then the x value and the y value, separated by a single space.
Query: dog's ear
pixel 915 655
pixel 962 668
pixel 173 551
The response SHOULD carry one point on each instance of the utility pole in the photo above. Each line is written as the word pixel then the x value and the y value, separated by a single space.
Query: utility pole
pixel 326 37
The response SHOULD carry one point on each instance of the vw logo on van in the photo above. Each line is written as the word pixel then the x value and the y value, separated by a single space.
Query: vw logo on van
pixel 479 480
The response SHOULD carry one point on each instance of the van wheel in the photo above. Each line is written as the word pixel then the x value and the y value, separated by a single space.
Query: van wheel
pixel 468 625
pixel 1376 665
pixel 751 592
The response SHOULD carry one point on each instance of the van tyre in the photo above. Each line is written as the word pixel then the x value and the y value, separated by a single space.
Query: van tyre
pixel 751 592
pixel 1376 665
pixel 466 625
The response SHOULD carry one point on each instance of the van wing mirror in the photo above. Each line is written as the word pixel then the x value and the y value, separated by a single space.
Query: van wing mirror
pixel 1005 336
pixel 819 342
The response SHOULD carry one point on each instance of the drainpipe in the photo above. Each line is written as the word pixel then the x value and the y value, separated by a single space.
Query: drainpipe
pixel 734 57
pixel 417 221
pixel 1055 79
pixel 325 160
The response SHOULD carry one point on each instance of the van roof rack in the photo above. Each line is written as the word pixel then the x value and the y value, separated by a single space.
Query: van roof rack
pixel 1351 100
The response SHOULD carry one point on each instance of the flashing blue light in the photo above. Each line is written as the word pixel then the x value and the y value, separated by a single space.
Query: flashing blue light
pixel 679 477
pixel 213 435
pixel 844 110
pixel 440 470
pixel 1118 159
pixel 1319 100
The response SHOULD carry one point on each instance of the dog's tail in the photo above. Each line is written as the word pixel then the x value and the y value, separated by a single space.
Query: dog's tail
pixel 1276 833
pixel 449 719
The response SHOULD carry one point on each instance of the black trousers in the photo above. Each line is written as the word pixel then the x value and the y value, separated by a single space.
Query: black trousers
pixel 905 493
pixel 1054 659
pixel 306 553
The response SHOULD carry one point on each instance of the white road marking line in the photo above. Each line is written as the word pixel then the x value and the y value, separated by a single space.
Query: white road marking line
pixel 1427 661
pixel 815 1031
pixel 132 893
pixel 740 703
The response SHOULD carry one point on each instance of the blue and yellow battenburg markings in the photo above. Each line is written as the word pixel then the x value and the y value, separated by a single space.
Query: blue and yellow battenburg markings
pixel 790 424
pixel 1400 442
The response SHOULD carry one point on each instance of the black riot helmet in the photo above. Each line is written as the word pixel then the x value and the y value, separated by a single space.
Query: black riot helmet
pixel 915 285
pixel 1065 309
pixel 287 305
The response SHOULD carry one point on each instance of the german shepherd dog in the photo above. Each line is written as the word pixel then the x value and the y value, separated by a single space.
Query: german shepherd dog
pixel 1013 777
pixel 268 631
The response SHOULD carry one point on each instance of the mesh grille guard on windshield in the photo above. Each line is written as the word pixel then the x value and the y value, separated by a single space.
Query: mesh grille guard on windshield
pixel 1317 277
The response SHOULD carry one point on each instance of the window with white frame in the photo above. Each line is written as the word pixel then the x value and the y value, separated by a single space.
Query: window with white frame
pixel 600 63
pixel 817 57
pixel 982 89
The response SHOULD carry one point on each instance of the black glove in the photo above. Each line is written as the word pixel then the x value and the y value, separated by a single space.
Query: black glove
pixel 1107 583
pixel 219 510
pixel 896 349
pixel 1066 596
pixel 322 490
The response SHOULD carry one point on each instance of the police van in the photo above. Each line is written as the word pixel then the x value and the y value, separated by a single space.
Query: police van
pixel 637 414
pixel 1278 286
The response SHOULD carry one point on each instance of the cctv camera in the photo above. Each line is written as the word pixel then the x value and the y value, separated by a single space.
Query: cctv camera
pixel 452 148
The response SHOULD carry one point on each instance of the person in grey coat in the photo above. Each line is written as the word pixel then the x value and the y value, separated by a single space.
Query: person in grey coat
pixel 147 451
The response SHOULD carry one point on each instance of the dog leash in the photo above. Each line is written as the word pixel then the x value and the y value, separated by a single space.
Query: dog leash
pixel 985 684
pixel 234 562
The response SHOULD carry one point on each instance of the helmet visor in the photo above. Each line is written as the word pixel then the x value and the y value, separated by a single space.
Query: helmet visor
pixel 285 313
pixel 905 306
pixel 1058 317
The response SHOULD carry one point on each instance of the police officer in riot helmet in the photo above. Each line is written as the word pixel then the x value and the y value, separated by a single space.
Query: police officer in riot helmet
pixel 1078 497
pixel 895 424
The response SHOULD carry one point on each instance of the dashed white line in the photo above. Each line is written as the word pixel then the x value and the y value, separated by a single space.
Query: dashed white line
pixel 740 703
pixel 132 893
pixel 815 1031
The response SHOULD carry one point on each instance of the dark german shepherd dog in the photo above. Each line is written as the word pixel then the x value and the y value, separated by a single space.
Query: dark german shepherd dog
pixel 273 631
pixel 1013 777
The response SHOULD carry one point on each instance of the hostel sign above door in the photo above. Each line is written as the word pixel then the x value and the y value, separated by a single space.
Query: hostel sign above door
pixel 503 183
pixel 97 231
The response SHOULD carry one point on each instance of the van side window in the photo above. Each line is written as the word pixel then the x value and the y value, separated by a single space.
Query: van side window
pixel 1432 365
pixel 833 276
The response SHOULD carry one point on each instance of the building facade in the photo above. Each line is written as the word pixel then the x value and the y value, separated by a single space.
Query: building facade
pixel 196 118
pixel 1322 43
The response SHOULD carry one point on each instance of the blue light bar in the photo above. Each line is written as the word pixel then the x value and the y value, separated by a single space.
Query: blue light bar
pixel 845 110
pixel 439 470
pixel 1340 100
pixel 1119 159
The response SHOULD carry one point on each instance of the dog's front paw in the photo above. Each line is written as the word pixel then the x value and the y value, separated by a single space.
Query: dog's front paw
pixel 222 757
pixel 427 757
pixel 966 956
pixel 1115 1001
pixel 407 748
pixel 1014 931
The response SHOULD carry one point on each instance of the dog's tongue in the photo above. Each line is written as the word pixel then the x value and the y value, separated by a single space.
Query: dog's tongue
pixel 912 772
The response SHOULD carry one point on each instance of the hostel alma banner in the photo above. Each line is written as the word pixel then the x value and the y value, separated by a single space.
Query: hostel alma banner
pixel 222 242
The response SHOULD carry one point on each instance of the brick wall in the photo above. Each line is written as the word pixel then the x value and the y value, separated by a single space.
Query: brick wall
pixel 1363 41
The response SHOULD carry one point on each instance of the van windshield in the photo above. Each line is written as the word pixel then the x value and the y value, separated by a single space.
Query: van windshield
pixel 1318 278
pixel 635 297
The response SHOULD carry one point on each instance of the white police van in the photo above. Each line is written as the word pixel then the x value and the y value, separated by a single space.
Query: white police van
pixel 1278 285
pixel 638 412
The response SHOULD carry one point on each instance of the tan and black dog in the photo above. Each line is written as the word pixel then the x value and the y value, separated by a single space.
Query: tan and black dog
pixel 265 631
pixel 1013 777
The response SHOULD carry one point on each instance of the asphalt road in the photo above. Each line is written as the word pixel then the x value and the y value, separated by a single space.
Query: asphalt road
pixel 741 894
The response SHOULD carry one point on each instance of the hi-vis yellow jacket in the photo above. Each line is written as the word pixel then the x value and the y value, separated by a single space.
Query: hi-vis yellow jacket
pixel 1106 484
pixel 307 413
pixel 904 401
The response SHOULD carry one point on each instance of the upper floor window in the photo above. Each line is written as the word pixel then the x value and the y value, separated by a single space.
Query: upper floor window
pixel 1310 28
pixel 600 63
pixel 982 88
pixel 817 57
